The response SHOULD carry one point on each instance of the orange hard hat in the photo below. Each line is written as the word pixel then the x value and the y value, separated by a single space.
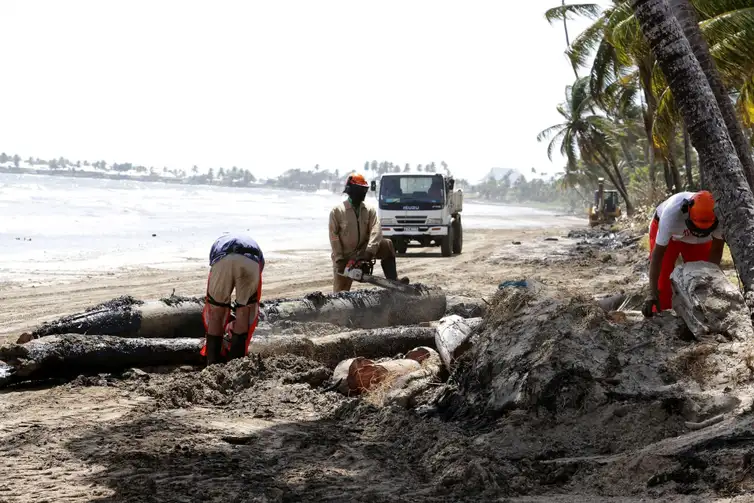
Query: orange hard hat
pixel 702 209
pixel 357 179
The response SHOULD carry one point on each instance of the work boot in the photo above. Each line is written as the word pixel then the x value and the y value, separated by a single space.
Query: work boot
pixel 214 347
pixel 237 346
pixel 389 268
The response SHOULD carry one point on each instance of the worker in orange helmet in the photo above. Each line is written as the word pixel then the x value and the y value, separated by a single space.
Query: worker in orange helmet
pixel 684 224
pixel 356 235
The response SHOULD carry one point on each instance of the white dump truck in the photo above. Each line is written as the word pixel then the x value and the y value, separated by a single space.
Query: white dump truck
pixel 420 207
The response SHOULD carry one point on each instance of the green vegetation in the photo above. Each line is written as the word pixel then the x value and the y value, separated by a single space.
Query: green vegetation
pixel 620 120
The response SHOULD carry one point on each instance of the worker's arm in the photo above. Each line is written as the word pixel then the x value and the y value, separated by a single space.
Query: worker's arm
pixel 716 252
pixel 375 233
pixel 335 244
pixel 655 266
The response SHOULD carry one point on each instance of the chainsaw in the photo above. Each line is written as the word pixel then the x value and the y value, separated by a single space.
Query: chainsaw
pixel 361 271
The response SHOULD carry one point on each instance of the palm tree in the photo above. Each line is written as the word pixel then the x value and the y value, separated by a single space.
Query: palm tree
pixel 587 136
pixel 687 17
pixel 709 135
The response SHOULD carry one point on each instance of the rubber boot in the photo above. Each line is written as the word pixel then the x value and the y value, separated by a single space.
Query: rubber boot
pixel 214 346
pixel 389 268
pixel 391 271
pixel 237 346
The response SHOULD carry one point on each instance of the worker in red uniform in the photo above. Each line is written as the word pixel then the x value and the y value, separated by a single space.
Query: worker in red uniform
pixel 684 224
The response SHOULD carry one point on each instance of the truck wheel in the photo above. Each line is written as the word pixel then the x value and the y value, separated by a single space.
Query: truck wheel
pixel 457 236
pixel 401 246
pixel 446 245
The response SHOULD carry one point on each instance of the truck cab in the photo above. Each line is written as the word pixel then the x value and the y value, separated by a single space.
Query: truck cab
pixel 420 208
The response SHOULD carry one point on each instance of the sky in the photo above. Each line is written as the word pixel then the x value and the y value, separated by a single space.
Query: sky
pixel 274 85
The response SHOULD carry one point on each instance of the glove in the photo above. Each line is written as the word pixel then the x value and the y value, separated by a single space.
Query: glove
pixel 649 303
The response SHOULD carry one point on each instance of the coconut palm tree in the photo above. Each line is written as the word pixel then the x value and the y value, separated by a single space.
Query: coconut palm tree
pixel 709 135
pixel 587 136
pixel 621 55
pixel 720 25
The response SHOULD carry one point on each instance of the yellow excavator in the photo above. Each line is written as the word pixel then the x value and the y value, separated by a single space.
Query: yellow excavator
pixel 606 207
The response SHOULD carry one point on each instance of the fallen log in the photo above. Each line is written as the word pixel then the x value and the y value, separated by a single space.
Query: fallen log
pixel 340 376
pixel 361 308
pixel 365 375
pixel 406 388
pixel 708 303
pixel 332 349
pixel 128 317
pixel 182 316
pixel 68 355
pixel 65 355
pixel 452 338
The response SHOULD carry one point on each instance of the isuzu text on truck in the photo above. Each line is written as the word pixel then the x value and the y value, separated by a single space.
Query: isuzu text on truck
pixel 422 208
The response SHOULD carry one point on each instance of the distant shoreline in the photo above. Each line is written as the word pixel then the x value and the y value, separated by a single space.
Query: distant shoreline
pixel 74 173
pixel 201 180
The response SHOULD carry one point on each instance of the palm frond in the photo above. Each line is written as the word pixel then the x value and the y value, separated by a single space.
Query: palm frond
pixel 589 10
pixel 546 133
pixel 745 103
pixel 583 45
pixel 667 117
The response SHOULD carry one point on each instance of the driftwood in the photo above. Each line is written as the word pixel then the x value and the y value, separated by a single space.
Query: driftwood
pixel 366 375
pixel 68 355
pixel 406 388
pixel 361 308
pixel 708 303
pixel 452 338
pixel 331 349
pixel 182 317
pixel 397 381
pixel 129 317
pixel 65 355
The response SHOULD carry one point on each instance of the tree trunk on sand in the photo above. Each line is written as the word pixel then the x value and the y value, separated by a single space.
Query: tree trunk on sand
pixel 68 355
pixel 331 349
pixel 717 156
pixel 687 159
pixel 129 317
pixel 687 18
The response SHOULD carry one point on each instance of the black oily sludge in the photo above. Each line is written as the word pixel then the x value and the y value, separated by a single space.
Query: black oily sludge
pixel 69 355
pixel 361 308
pixel 182 317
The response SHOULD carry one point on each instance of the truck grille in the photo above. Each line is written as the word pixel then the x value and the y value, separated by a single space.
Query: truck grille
pixel 412 220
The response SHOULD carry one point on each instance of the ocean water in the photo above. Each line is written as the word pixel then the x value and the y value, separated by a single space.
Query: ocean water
pixel 61 225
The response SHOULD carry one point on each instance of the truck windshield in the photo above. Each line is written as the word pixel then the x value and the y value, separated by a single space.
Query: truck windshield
pixel 425 191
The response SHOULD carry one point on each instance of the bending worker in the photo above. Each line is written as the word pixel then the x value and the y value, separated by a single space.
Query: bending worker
pixel 356 235
pixel 684 224
pixel 236 262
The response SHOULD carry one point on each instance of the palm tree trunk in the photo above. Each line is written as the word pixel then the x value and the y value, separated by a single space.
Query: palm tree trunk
pixel 709 135
pixel 646 85
pixel 677 182
pixel 687 158
pixel 687 18
pixel 568 41
pixel 668 175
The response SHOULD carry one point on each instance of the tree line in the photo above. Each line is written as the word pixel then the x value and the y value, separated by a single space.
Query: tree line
pixel 232 176
pixel 620 119
pixel 666 80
